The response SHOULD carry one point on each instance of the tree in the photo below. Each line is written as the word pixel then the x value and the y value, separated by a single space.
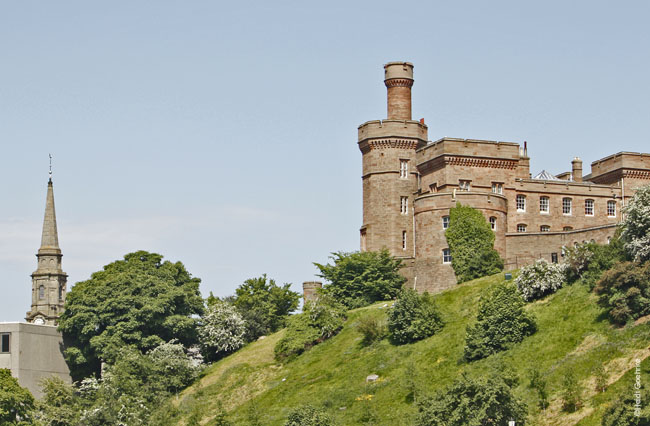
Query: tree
pixel 413 317
pixel 264 305
pixel 483 401
pixel 16 402
pixel 222 330
pixel 139 301
pixel 636 225
pixel 471 244
pixel 360 278
pixel 501 323
pixel 624 291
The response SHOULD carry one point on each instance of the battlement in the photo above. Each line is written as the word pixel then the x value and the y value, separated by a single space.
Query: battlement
pixel 393 128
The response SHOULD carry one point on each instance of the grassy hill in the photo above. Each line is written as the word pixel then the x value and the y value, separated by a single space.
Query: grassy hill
pixel 573 336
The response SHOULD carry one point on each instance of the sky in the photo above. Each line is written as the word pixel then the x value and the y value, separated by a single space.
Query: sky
pixel 223 134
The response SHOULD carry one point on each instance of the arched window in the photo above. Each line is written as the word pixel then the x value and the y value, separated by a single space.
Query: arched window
pixel 521 227
pixel 41 292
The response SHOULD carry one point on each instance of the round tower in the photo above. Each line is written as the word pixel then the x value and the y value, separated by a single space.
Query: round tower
pixel 389 169
pixel 398 78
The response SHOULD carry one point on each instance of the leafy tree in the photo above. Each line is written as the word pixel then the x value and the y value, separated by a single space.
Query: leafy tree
pixel 222 330
pixel 319 321
pixel 538 382
pixel 16 402
pixel 471 244
pixel 139 301
pixel 624 291
pixel 483 401
pixel 540 279
pixel 571 393
pixel 501 323
pixel 264 305
pixel 360 278
pixel 413 317
pixel 622 413
pixel 636 225
pixel 308 415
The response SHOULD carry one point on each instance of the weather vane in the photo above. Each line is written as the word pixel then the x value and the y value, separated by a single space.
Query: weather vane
pixel 50 167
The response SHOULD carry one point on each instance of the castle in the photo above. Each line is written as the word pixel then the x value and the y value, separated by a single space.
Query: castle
pixel 410 183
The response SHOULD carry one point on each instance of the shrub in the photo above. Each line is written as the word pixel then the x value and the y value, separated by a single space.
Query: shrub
pixel 501 323
pixel 361 278
pixel 221 330
pixel 308 415
pixel 624 291
pixel 636 225
pixel 413 317
pixel 538 383
pixel 320 320
pixel 471 244
pixel 540 279
pixel 571 393
pixel 468 401
pixel 576 259
pixel 16 402
pixel 621 413
pixel 588 261
pixel 372 329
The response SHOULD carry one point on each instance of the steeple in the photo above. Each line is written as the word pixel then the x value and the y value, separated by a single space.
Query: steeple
pixel 49 280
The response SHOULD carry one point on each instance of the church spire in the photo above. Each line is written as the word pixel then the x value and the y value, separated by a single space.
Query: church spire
pixel 49 280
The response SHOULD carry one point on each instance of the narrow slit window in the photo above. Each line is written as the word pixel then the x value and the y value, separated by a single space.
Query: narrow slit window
pixel 493 223
pixel 403 240
pixel 404 205
pixel 404 169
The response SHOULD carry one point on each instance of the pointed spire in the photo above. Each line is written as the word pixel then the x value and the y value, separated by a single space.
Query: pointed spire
pixel 50 238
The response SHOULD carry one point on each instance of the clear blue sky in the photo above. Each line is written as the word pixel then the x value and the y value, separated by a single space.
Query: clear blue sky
pixel 223 134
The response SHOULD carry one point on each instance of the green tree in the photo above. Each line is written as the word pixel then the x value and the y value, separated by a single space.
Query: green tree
pixel 264 305
pixel 16 402
pixel 624 291
pixel 483 401
pixel 413 317
pixel 501 323
pixel 139 301
pixel 571 393
pixel 471 244
pixel 360 278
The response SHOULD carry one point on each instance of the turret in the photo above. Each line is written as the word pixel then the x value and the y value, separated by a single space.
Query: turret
pixel 576 169
pixel 398 78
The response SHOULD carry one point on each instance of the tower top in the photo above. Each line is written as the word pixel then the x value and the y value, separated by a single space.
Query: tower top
pixel 50 236
pixel 398 78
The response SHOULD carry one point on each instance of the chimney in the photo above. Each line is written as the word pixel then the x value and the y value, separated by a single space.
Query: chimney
pixel 399 80
pixel 576 169
pixel 310 290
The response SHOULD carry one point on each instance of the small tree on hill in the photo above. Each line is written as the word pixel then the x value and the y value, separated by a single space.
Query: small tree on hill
pixel 483 401
pixel 471 244
pixel 501 323
pixel 16 402
pixel 413 317
pixel 636 225
pixel 361 278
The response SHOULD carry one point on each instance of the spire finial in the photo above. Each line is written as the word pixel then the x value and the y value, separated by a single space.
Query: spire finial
pixel 50 167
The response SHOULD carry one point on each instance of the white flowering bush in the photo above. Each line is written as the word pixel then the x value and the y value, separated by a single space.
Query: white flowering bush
pixel 221 331
pixel 540 279
pixel 576 259
pixel 636 225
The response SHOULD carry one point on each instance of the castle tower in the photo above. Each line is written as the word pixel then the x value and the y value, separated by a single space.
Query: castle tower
pixel 49 280
pixel 389 171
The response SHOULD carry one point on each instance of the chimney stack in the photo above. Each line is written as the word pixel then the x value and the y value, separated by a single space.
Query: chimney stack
pixel 576 169
pixel 398 78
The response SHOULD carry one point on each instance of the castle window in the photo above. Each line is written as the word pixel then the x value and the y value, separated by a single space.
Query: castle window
pixel 567 228
pixel 445 222
pixel 433 187
pixel 4 343
pixel 589 207
pixel 404 205
pixel 493 223
pixel 60 293
pixel 404 169
pixel 521 227
pixel 611 208
pixel 544 228
pixel 521 203
pixel 446 256
pixel 543 205
pixel 363 240
pixel 553 257
pixel 403 240
pixel 497 188
pixel 464 185
pixel 41 292
pixel 566 206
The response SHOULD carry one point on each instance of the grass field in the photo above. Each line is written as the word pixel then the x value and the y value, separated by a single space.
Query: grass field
pixel 572 335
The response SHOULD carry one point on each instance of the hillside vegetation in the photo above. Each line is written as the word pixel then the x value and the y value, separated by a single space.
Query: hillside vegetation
pixel 573 336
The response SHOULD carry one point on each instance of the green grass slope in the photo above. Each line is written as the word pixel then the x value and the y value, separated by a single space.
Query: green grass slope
pixel 573 336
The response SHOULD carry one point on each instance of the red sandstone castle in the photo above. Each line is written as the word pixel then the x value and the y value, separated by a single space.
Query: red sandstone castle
pixel 410 183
